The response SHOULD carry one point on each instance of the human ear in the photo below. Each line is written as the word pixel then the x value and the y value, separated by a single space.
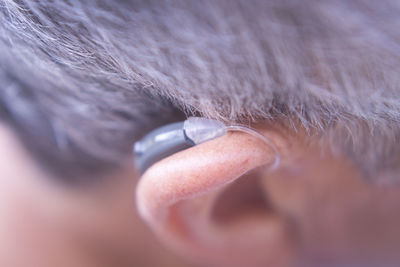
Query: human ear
pixel 179 197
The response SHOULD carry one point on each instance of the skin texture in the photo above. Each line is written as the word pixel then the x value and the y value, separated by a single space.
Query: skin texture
pixel 216 204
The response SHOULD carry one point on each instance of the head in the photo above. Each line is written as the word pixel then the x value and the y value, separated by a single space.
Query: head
pixel 81 81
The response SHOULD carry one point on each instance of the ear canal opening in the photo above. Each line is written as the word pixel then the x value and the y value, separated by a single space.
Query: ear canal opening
pixel 241 199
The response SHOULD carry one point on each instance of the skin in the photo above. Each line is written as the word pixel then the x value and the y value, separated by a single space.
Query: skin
pixel 216 204
pixel 46 224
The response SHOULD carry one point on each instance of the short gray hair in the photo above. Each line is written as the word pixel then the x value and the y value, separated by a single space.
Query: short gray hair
pixel 82 79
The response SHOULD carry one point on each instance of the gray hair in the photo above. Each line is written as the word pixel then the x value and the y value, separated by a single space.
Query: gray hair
pixel 82 79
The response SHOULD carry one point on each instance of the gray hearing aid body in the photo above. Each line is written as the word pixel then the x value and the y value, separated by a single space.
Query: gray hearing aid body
pixel 172 138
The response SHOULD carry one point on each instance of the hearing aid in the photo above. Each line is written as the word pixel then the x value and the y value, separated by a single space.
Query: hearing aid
pixel 172 138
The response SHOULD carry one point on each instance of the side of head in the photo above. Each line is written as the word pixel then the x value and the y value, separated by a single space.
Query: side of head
pixel 81 82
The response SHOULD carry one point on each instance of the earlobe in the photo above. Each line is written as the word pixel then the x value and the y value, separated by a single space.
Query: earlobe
pixel 176 198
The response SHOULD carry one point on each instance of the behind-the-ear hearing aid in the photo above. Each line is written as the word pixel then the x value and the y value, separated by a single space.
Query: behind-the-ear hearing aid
pixel 174 137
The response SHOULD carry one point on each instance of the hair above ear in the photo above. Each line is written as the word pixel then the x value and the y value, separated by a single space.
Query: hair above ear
pixel 176 197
